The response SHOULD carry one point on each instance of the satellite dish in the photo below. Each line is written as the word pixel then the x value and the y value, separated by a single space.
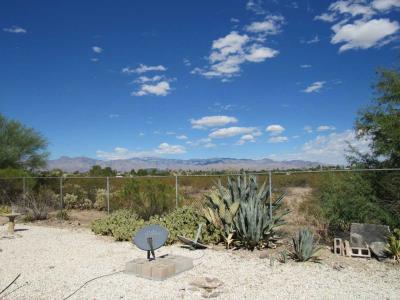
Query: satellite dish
pixel 193 244
pixel 150 238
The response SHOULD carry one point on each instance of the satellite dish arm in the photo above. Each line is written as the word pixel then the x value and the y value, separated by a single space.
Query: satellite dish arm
pixel 150 242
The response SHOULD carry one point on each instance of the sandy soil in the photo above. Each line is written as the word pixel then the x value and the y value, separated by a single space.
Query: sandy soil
pixel 53 262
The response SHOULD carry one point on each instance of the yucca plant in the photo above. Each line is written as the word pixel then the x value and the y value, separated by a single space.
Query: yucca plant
pixel 305 247
pixel 393 247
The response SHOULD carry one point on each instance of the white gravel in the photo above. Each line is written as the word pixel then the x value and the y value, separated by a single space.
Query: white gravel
pixel 54 262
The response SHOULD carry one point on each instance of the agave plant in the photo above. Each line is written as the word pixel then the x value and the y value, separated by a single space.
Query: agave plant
pixel 220 210
pixel 393 246
pixel 253 222
pixel 305 247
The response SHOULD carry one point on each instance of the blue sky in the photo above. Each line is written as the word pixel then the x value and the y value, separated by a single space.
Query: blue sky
pixel 194 79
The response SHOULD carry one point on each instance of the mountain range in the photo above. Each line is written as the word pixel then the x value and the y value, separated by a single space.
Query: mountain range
pixel 83 164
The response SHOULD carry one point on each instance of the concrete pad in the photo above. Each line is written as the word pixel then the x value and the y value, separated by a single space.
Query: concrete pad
pixel 159 269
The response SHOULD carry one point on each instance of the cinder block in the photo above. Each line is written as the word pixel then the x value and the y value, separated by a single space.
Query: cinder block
pixel 159 269
pixel 338 246
pixel 347 248
pixel 360 252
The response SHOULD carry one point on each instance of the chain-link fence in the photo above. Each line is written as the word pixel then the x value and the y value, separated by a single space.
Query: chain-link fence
pixel 151 195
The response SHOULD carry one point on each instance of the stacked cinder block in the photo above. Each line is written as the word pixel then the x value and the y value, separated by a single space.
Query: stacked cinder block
pixel 160 268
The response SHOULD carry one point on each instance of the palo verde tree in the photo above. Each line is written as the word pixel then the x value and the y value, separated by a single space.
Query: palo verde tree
pixel 21 147
pixel 381 122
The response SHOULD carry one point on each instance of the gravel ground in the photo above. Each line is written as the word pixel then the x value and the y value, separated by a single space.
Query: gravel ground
pixel 54 262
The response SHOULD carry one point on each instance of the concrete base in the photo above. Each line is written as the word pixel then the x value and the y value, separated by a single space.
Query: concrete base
pixel 159 269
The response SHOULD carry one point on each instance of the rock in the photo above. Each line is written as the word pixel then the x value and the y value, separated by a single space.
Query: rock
pixel 366 234
pixel 207 283
pixel 264 254
pixel 214 294
pixel 378 249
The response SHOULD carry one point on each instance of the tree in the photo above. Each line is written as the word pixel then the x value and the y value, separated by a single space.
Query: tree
pixel 381 122
pixel 97 170
pixel 21 146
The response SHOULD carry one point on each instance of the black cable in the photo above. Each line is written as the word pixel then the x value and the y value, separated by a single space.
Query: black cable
pixel 10 284
pixel 70 295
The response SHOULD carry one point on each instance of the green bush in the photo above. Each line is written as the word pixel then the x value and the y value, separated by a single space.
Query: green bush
pixel 123 224
pixel 5 209
pixel 305 247
pixel 76 197
pixel 146 197
pixel 39 204
pixel 350 198
pixel 101 199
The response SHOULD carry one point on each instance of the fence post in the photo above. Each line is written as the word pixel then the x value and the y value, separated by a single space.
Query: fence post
pixel 61 196
pixel 270 195
pixel 176 190
pixel 108 195
pixel 24 191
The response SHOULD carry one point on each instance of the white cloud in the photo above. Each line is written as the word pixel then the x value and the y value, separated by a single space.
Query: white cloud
pixel 305 66
pixel 234 131
pixel 270 26
pixel 161 88
pixel 165 148
pixel 363 34
pixel 358 24
pixel 97 49
pixel 144 79
pixel 325 128
pixel 314 40
pixel 182 137
pixel 143 69
pixel 277 139
pixel 247 138
pixel 230 52
pixel 124 153
pixel 141 134
pixel 15 29
pixel 255 6
pixel 187 62
pixel 212 121
pixel 329 149
pixel 94 59
pixel 275 129
pixel 170 133
pixel 112 116
pixel 384 5
pixel 314 87
pixel 308 129
pixel 259 54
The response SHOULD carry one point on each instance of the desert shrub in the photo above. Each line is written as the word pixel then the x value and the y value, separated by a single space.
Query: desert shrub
pixel 393 246
pixel 70 201
pixel 76 197
pixel 147 197
pixel 305 247
pixel 101 199
pixel 123 224
pixel 62 215
pixel 185 221
pixel 5 209
pixel 350 198
pixel 39 203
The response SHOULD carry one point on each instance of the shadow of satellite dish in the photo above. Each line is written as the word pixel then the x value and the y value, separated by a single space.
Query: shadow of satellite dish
pixel 150 238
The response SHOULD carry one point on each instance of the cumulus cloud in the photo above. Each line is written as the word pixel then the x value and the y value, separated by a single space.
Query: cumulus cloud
pixel 144 79
pixel 275 129
pixel 277 139
pixel 305 66
pixel 247 138
pixel 234 131
pixel 314 87
pixel 124 153
pixel 15 29
pixel 358 24
pixel 182 137
pixel 325 128
pixel 255 6
pixel 330 149
pixel 97 49
pixel 161 88
pixel 363 34
pixel 143 69
pixel 230 52
pixel 314 40
pixel 212 121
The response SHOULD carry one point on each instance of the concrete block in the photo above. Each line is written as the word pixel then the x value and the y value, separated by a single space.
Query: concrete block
pixel 159 269
pixel 338 246
pixel 347 248
pixel 360 252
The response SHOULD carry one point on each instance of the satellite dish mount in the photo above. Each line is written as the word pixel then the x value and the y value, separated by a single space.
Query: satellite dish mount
pixel 150 238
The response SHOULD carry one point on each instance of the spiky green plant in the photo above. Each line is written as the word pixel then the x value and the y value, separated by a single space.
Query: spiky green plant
pixel 220 210
pixel 305 247
pixel 393 246
pixel 253 222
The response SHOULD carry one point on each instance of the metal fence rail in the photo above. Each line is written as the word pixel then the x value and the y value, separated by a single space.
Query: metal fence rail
pixel 184 185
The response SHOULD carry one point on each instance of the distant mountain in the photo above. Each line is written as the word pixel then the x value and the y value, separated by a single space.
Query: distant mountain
pixel 83 164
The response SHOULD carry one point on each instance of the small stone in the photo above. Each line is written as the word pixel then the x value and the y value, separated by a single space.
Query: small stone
pixel 264 254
